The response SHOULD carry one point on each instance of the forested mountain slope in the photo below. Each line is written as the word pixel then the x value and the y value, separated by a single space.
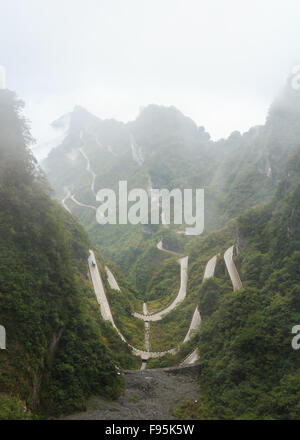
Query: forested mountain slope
pixel 163 148
pixel 248 366
pixel 59 350
pixel 251 182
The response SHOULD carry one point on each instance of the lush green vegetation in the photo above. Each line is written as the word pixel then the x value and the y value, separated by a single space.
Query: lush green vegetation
pixel 171 360
pixel 248 367
pixel 59 350
pixel 165 282
pixel 123 304
pixel 172 329
pixel 13 409
pixel 146 265
pixel 236 173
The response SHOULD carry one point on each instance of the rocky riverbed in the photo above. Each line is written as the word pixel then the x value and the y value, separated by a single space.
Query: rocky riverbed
pixel 148 395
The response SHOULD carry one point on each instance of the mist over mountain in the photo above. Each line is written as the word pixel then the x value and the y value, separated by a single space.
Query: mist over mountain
pixel 251 200
pixel 168 148
pixel 149 214
pixel 56 351
pixel 172 299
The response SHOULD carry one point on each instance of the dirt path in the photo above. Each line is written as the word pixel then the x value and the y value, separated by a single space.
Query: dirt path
pixel 149 395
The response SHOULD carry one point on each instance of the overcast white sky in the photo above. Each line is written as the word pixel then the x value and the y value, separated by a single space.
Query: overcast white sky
pixel 220 62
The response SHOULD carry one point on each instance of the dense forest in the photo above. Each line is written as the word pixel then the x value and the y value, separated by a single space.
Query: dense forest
pixel 251 181
pixel 59 350
pixel 248 367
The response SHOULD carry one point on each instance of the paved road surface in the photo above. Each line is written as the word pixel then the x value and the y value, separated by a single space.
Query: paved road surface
pixel 147 329
pixel 144 365
pixel 89 170
pixel 147 335
pixel 104 305
pixel 232 270
pixel 2 338
pixel 195 324
pixel 196 321
pixel 191 359
pixel 152 354
pixel 106 312
pixel 145 309
pixel 65 199
pixel 111 280
pixel 161 248
pixel 83 205
pixel 99 289
pixel 210 268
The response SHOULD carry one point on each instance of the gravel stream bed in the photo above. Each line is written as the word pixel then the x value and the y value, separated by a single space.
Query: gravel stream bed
pixel 148 395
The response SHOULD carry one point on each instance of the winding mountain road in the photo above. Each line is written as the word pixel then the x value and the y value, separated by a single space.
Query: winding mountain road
pixel 68 195
pixel 210 268
pixel 83 205
pixel 161 248
pixel 101 295
pixel 209 272
pixel 191 358
pixel 2 338
pixel 99 289
pixel 232 270
pixel 196 320
pixel 106 312
pixel 111 280
pixel 179 298
pixel 195 325
pixel 89 170
pixel 147 328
